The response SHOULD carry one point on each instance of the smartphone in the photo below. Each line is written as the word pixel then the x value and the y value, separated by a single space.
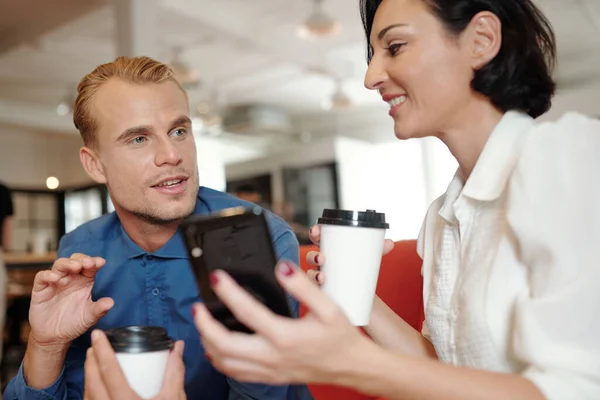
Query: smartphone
pixel 237 241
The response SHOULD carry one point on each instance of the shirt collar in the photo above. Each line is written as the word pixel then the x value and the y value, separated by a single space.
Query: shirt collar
pixel 494 166
pixel 497 160
pixel 452 194
pixel 174 248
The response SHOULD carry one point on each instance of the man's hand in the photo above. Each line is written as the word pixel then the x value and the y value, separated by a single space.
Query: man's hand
pixel 104 378
pixel 61 310
pixel 61 301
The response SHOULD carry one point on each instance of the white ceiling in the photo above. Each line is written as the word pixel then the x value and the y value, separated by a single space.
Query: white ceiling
pixel 247 50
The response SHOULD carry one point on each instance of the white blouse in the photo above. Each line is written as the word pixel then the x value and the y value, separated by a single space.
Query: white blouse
pixel 511 259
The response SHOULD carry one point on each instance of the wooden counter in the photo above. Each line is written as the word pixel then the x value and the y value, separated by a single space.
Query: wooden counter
pixel 15 260
pixel 22 268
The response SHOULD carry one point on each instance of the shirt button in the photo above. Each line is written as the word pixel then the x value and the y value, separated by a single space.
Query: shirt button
pixel 149 257
pixel 155 291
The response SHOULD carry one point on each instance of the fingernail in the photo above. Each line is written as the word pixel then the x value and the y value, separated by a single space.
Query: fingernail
pixel 95 335
pixel 208 357
pixel 310 231
pixel 286 269
pixel 193 311
pixel 213 278
pixel 317 258
pixel 317 276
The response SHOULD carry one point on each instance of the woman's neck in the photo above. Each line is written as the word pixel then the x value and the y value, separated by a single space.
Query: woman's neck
pixel 469 131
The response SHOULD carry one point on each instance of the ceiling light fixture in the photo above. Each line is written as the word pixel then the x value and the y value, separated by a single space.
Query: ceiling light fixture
pixel 52 183
pixel 339 100
pixel 207 119
pixel 184 73
pixel 65 105
pixel 319 24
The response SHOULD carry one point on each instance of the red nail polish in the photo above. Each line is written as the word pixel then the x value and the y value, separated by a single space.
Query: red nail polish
pixel 214 279
pixel 317 276
pixel 310 231
pixel 193 311
pixel 316 258
pixel 286 269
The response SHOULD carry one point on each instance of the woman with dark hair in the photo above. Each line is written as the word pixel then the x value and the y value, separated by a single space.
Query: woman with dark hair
pixel 510 252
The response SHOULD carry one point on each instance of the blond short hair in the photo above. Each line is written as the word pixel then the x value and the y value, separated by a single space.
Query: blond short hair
pixel 137 70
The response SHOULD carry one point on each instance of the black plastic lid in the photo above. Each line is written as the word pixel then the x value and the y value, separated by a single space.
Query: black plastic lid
pixel 363 219
pixel 139 339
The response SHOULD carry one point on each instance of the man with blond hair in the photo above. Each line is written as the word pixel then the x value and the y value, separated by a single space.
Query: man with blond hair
pixel 130 267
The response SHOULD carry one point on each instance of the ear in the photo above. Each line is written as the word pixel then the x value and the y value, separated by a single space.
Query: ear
pixel 485 38
pixel 92 165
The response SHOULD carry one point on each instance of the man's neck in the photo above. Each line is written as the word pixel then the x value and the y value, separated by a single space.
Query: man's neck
pixel 148 236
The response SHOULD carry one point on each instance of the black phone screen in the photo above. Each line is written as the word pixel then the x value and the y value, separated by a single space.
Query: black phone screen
pixel 240 244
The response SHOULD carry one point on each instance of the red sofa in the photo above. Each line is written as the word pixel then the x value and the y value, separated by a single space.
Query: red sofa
pixel 400 286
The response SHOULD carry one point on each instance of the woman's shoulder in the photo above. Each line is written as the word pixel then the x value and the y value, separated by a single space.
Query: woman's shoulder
pixel 557 168
pixel 572 128
pixel 569 142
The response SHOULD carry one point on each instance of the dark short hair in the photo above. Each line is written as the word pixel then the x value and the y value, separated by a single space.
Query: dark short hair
pixel 520 76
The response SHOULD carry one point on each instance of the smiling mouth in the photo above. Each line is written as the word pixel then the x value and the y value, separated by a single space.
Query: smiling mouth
pixel 396 101
pixel 171 183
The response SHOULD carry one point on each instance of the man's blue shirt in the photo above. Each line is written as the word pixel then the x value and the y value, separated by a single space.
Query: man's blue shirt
pixel 157 289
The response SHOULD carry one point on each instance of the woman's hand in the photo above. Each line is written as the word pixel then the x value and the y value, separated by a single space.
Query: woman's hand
pixel 104 378
pixel 320 347
pixel 317 259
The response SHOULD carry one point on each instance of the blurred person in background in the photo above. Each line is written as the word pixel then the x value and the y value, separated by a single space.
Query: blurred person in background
pixel 511 270
pixel 248 192
pixel 6 235
pixel 6 218
pixel 131 267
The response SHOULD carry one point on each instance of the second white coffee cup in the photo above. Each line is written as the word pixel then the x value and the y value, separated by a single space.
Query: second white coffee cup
pixel 352 244
pixel 142 353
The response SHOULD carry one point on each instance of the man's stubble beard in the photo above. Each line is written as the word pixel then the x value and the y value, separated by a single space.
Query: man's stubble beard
pixel 152 216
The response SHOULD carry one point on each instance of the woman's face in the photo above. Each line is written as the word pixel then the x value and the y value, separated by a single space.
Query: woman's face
pixel 420 70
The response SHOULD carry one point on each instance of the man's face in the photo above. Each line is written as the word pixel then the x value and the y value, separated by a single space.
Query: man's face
pixel 146 152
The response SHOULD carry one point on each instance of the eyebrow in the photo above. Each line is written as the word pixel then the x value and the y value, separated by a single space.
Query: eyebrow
pixel 133 132
pixel 387 28
pixel 139 130
pixel 183 120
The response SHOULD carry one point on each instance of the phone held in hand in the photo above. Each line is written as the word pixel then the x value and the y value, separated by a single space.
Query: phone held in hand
pixel 237 241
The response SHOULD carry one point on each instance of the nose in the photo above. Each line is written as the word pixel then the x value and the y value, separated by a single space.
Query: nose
pixel 167 153
pixel 376 75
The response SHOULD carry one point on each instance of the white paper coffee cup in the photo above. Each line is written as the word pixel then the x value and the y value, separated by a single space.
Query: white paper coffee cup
pixel 142 353
pixel 352 243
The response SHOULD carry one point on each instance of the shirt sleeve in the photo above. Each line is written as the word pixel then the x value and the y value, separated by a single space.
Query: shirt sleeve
pixel 555 215
pixel 17 389
pixel 69 384
pixel 286 248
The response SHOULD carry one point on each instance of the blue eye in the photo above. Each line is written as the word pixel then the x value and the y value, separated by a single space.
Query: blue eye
pixel 138 140
pixel 179 132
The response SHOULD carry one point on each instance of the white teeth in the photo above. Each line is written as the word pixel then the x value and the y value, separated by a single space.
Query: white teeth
pixel 396 100
pixel 170 183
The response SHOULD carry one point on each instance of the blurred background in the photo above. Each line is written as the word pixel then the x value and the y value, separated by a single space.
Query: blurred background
pixel 281 116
